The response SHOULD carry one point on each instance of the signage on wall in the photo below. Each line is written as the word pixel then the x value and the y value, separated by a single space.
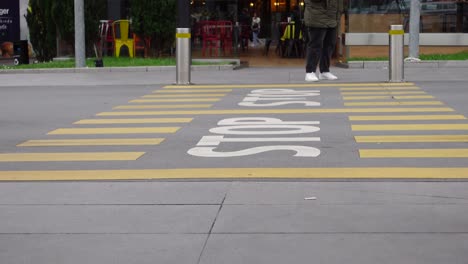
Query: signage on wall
pixel 9 20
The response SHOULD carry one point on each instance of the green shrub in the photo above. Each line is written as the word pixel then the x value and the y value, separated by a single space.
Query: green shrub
pixel 155 19
pixel 48 18
pixel 41 29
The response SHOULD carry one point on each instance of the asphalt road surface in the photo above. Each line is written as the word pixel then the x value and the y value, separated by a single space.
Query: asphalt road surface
pixel 132 169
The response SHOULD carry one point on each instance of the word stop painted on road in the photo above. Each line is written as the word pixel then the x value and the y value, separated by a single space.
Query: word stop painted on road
pixel 280 97
pixel 265 130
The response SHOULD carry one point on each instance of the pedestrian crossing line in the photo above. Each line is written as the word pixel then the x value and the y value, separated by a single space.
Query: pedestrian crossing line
pixel 398 97
pixel 92 142
pixel 132 121
pixel 436 173
pixel 70 156
pixel 308 85
pixel 379 88
pixel 175 100
pixel 406 117
pixel 406 127
pixel 411 138
pixel 171 106
pixel 413 153
pixel 183 95
pixel 383 93
pixel 165 91
pixel 114 130
pixel 279 111
pixel 394 103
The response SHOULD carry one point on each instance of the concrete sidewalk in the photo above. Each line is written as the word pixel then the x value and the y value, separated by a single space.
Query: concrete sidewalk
pixel 244 75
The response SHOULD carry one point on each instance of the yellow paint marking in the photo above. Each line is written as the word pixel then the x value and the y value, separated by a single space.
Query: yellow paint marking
pixel 69 156
pixel 382 93
pixel 308 85
pixel 279 111
pixel 92 142
pixel 406 117
pixel 387 97
pixel 379 88
pixel 401 127
pixel 193 91
pixel 183 95
pixel 413 153
pixel 114 130
pixel 394 103
pixel 239 173
pixel 411 138
pixel 174 100
pixel 133 121
pixel 171 106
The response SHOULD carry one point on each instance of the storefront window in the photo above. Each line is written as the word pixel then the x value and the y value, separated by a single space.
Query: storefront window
pixel 214 28
pixel 436 16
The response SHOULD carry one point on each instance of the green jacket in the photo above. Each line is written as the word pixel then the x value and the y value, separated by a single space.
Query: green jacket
pixel 322 13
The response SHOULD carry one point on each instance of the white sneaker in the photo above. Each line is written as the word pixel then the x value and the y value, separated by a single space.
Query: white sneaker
pixel 311 77
pixel 327 76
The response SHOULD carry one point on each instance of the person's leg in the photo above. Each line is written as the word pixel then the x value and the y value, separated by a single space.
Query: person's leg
pixel 315 37
pixel 329 44
pixel 255 38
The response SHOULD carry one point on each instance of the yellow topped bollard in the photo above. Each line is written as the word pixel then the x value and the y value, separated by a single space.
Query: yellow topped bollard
pixel 396 61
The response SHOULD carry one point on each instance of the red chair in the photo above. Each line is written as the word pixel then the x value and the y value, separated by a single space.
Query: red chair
pixel 141 44
pixel 211 37
pixel 226 32
pixel 106 36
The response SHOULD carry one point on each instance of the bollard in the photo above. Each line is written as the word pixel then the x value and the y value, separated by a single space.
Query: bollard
pixel 396 62
pixel 183 55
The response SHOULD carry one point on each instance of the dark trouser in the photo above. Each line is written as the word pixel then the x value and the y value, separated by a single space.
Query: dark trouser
pixel 320 46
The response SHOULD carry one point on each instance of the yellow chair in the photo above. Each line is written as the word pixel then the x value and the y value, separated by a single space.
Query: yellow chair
pixel 121 37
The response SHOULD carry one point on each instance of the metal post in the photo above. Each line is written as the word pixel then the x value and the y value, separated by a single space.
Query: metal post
pixel 415 13
pixel 183 55
pixel 80 58
pixel 183 43
pixel 396 63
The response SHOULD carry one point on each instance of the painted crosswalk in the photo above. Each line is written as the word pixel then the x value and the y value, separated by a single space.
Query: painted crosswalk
pixel 386 120
pixel 383 144
pixel 161 99
pixel 91 142
pixel 406 117
pixel 69 156
pixel 240 173
pixel 103 121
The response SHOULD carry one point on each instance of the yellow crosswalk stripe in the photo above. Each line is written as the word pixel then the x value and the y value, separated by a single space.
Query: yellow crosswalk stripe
pixel 401 127
pixel 406 117
pixel 411 138
pixel 133 121
pixel 279 111
pixel 297 85
pixel 171 106
pixel 183 95
pixel 92 142
pixel 413 153
pixel 114 130
pixel 240 173
pixel 405 103
pixel 174 100
pixel 383 93
pixel 379 88
pixel 387 97
pixel 69 156
pixel 165 91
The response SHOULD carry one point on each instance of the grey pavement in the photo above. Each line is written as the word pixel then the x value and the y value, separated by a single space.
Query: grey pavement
pixel 231 221
pixel 244 75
